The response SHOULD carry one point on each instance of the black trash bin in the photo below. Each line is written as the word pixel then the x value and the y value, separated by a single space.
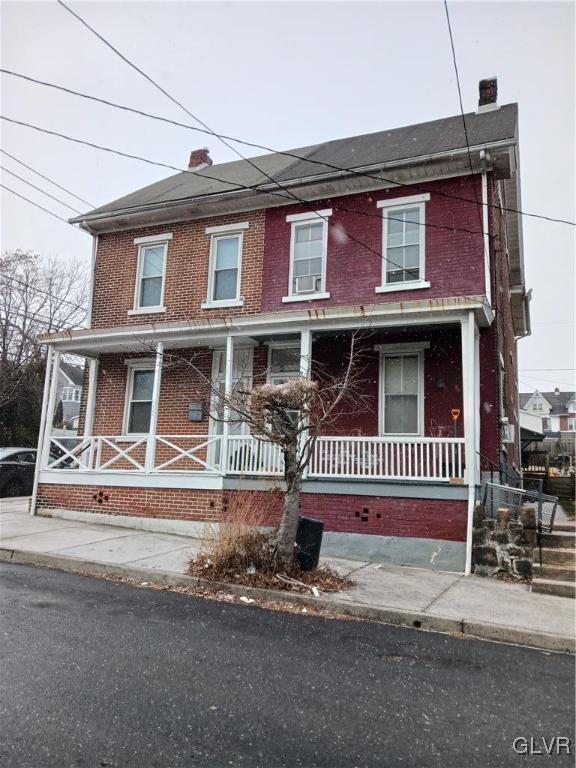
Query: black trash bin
pixel 309 541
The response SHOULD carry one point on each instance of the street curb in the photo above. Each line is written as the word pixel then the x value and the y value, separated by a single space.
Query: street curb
pixel 396 616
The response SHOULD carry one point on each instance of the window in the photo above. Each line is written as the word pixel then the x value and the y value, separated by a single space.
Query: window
pixel 308 251
pixel 403 243
pixel 139 400
pixel 571 425
pixel 283 363
pixel 71 394
pixel 546 424
pixel 402 397
pixel 225 261
pixel 151 269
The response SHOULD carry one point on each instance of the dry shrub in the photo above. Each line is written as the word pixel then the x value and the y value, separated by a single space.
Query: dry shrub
pixel 237 543
pixel 239 551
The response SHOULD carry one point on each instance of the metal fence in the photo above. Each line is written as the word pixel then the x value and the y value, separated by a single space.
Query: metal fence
pixel 496 496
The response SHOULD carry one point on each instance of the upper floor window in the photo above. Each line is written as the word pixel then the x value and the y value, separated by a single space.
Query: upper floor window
pixel 224 271
pixel 403 243
pixel 71 394
pixel 150 273
pixel 572 425
pixel 308 252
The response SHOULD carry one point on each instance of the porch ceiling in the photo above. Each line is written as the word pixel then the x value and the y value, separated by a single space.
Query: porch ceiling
pixel 213 332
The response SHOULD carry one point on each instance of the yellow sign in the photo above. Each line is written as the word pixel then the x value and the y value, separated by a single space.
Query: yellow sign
pixel 455 413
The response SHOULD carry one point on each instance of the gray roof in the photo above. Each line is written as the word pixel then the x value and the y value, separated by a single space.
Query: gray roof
pixel 74 372
pixel 557 400
pixel 372 149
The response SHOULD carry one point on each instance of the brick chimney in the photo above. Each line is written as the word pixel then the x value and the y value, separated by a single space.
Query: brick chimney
pixel 199 158
pixel 488 90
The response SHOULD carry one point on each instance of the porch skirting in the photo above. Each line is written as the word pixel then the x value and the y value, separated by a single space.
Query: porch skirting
pixel 418 531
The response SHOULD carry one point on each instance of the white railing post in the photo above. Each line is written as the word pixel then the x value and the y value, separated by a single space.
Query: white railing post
pixel 151 441
pixel 91 406
pixel 42 430
pixel 468 335
pixel 228 384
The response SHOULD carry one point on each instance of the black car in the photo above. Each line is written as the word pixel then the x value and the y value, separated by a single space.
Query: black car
pixel 17 471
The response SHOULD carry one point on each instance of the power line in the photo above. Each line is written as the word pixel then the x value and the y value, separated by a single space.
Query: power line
pixel 34 317
pixel 226 143
pixel 41 290
pixel 487 256
pixel 234 184
pixel 38 189
pixel 46 178
pixel 35 204
pixel 286 153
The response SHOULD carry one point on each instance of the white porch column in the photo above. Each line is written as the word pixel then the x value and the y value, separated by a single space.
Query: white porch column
pixel 42 430
pixel 228 385
pixel 151 443
pixel 305 371
pixel 469 388
pixel 91 406
pixel 306 353
pixel 50 409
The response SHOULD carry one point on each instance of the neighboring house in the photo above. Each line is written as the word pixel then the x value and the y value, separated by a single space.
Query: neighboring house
pixel 198 263
pixel 70 393
pixel 557 409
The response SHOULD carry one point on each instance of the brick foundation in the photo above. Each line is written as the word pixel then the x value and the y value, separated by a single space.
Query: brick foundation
pixel 377 515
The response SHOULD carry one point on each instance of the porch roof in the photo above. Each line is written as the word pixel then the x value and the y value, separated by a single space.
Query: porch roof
pixel 212 331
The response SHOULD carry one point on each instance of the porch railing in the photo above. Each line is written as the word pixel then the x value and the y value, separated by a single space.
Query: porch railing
pixel 410 458
pixel 101 453
pixel 435 459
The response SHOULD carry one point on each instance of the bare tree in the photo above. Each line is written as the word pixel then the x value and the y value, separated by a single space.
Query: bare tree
pixel 291 415
pixel 36 297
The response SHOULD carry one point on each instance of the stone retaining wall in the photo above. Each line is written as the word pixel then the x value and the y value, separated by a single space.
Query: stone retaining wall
pixel 503 545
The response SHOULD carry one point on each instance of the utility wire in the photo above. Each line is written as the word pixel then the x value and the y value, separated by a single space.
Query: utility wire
pixel 46 178
pixel 38 189
pixel 37 318
pixel 286 153
pixel 235 185
pixel 22 197
pixel 454 61
pixel 41 290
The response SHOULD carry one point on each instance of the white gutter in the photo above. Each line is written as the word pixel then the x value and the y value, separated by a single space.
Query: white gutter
pixel 91 288
pixel 487 273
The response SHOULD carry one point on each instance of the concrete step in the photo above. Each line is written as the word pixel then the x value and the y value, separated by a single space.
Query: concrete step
pixel 559 539
pixel 555 556
pixel 565 527
pixel 554 587
pixel 556 572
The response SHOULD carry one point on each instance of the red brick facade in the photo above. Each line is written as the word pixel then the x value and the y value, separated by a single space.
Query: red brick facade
pixel 383 516
pixel 187 262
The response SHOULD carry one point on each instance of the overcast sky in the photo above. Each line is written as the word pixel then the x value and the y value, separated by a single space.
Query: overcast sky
pixel 287 75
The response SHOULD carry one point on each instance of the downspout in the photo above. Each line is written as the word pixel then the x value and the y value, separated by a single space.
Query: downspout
pixel 41 431
pixel 92 270
pixel 487 274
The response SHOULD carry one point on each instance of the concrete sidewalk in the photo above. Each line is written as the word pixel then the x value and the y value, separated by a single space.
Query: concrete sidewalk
pixel 439 601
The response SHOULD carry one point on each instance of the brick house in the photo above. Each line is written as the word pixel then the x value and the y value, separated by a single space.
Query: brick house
pixel 220 264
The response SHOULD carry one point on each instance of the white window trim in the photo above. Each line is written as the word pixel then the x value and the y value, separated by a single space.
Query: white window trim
pixel 298 219
pixel 137 309
pixel 238 300
pixel 163 238
pixel 392 350
pixel 146 364
pixel 399 203
pixel 222 228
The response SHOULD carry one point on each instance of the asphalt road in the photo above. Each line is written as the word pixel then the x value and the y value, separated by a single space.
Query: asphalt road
pixel 99 674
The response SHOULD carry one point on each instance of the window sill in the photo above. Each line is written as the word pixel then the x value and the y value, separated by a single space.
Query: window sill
pixel 412 285
pixel 219 304
pixel 305 297
pixel 146 310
